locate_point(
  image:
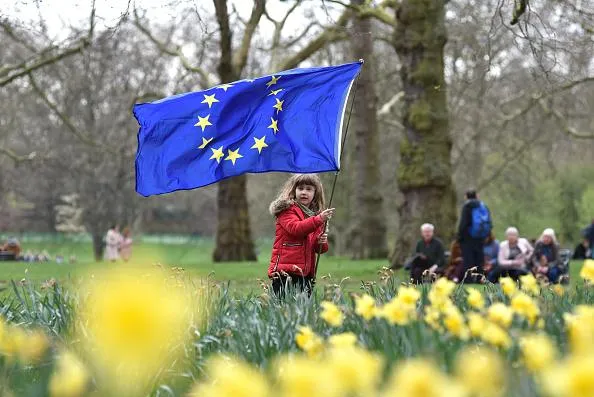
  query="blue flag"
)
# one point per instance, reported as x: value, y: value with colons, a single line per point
x: 289, y: 122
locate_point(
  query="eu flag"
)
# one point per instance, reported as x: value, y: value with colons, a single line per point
x: 290, y: 122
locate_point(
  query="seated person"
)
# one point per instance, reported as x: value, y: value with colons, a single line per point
x: 546, y: 261
x: 514, y: 255
x: 490, y: 252
x: 582, y: 250
x: 455, y: 267
x: 588, y: 233
x: 429, y: 255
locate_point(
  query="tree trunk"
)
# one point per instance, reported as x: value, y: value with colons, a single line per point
x: 234, y: 236
x: 368, y: 236
x: 98, y: 246
x: 425, y: 173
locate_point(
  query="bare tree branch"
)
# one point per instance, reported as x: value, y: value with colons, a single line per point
x: 177, y: 52
x: 16, y: 157
x: 562, y: 121
x: 240, y: 57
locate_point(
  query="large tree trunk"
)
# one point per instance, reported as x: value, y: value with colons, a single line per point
x: 425, y: 172
x: 368, y: 236
x: 234, y: 236
x: 98, y: 245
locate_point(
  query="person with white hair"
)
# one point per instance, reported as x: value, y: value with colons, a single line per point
x: 513, y: 257
x: 429, y: 255
x: 546, y: 260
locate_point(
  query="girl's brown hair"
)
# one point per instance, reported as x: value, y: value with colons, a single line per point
x: 288, y: 190
x: 126, y: 232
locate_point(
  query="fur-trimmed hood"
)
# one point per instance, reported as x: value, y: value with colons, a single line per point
x: 279, y: 205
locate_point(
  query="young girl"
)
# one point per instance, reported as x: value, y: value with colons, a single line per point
x: 126, y: 244
x: 300, y: 233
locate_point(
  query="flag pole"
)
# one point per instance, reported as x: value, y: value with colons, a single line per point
x: 338, y: 172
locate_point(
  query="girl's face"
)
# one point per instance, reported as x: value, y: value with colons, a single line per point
x: 547, y: 240
x: 304, y: 194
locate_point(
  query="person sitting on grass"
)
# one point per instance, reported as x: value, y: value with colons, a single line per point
x: 455, y: 268
x: 545, y: 260
x: 582, y: 250
x: 514, y: 255
x: 429, y: 255
x: 490, y: 252
x: 300, y: 234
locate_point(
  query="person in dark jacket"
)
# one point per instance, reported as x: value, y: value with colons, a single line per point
x: 429, y: 255
x: 546, y: 261
x: 589, y: 235
x: 471, y: 246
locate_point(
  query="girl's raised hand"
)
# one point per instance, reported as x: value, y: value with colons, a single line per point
x: 323, y: 239
x: 327, y: 214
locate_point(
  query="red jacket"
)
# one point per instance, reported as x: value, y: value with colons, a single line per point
x: 296, y: 241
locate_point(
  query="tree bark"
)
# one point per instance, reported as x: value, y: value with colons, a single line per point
x: 368, y: 236
x: 425, y: 172
x: 234, y: 235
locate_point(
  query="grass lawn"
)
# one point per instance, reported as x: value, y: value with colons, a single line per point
x: 195, y: 258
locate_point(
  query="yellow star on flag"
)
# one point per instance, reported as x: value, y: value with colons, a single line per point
x: 217, y: 154
x: 260, y: 144
x: 279, y: 105
x: 274, y: 125
x: 205, y: 142
x: 274, y: 92
x: 225, y: 86
x: 203, y: 122
x: 210, y: 99
x: 233, y: 155
x: 273, y: 80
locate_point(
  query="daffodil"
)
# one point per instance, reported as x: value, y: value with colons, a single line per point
x: 587, y: 272
x: 365, y: 307
x: 481, y: 372
x: 454, y: 323
x: 581, y: 328
x: 346, y: 339
x: 570, y: 378
x: 476, y: 324
x: 309, y: 341
x: 538, y: 352
x: 558, y: 290
x: 508, y: 285
x: 421, y: 378
x: 501, y: 314
x: 408, y: 295
x: 299, y: 376
x: 525, y: 306
x: 70, y: 379
x: 231, y: 377
x: 496, y: 336
x: 397, y: 312
x: 357, y: 371
x: 475, y: 299
x: 440, y: 293
x: 529, y: 284
x: 331, y: 314
x: 134, y: 323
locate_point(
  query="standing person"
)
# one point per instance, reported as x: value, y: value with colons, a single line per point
x: 112, y: 241
x: 299, y: 233
x: 474, y: 227
x: 429, y: 254
x: 589, y: 235
x: 126, y: 246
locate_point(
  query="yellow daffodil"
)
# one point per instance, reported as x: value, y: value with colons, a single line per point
x: 475, y: 299
x: 476, y: 324
x: 365, y: 307
x: 303, y: 377
x: 496, y: 336
x: 525, y: 306
x: 231, y: 377
x: 581, y: 328
x: 481, y: 372
x: 421, y: 378
x: 397, y: 312
x: 538, y: 352
x: 529, y: 284
x: 558, y: 290
x: 440, y: 292
x: 70, y: 379
x: 346, y: 339
x: 432, y: 317
x: 501, y: 314
x: 587, y: 272
x: 508, y: 285
x: 331, y: 314
x: 309, y: 341
x: 454, y: 323
x: 408, y: 295
x: 357, y: 371
x: 570, y: 378
x: 135, y: 322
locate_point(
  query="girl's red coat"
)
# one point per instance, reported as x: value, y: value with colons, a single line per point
x: 296, y: 240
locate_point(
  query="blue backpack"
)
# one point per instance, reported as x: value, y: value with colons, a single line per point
x: 481, y: 224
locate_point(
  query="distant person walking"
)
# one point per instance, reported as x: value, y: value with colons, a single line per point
x: 126, y: 245
x: 474, y: 227
x: 113, y: 239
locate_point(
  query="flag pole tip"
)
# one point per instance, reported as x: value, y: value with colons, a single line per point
x: 361, y: 60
